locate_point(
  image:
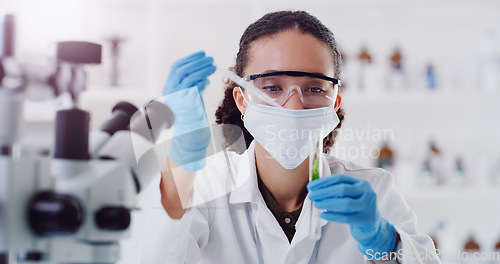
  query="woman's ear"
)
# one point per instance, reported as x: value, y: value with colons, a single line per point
x: 239, y: 99
x: 338, y: 102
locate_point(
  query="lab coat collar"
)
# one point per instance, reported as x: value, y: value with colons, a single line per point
x: 249, y: 190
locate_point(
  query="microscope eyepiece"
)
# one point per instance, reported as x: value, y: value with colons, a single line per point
x: 113, y: 218
x: 79, y: 52
x: 156, y: 117
x: 122, y: 113
x: 50, y: 213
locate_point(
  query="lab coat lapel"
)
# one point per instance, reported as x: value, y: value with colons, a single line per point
x: 303, y: 224
x: 266, y: 222
x: 275, y: 245
x: 248, y: 190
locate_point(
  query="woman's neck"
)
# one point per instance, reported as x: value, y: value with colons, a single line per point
x: 288, y: 187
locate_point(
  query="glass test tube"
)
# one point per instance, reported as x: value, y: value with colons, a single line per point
x: 315, y: 171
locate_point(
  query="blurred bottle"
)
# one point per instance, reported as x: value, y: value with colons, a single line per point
x: 471, y: 246
x: 385, y: 158
x: 489, y: 69
x: 496, y: 259
x: 397, y: 75
x: 431, y: 170
x: 115, y: 42
x: 458, y: 175
x: 430, y: 77
x: 365, y: 69
x: 436, y: 233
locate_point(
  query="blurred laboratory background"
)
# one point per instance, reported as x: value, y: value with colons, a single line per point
x: 421, y: 84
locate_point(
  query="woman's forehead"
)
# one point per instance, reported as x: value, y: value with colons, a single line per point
x: 290, y: 50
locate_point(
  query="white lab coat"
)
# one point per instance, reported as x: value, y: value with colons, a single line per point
x: 216, y: 229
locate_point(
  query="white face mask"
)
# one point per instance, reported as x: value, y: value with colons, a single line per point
x: 288, y: 134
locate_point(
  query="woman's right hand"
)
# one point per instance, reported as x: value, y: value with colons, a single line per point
x: 182, y: 94
x: 192, y: 70
x: 187, y: 79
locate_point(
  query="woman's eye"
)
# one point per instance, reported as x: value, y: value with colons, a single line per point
x: 315, y: 90
x: 272, y: 88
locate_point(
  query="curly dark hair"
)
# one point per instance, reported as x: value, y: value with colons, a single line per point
x: 270, y: 24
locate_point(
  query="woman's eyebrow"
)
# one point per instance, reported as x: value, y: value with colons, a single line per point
x: 268, y: 71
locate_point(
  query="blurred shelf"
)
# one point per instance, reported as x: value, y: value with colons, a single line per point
x: 464, y: 209
x: 453, y: 193
x: 462, y: 123
x: 438, y: 95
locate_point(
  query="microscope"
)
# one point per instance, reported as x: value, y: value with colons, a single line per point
x: 73, y: 206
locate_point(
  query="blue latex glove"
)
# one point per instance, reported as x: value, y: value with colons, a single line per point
x: 182, y: 94
x: 352, y: 201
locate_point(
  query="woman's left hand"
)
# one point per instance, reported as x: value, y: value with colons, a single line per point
x: 352, y: 201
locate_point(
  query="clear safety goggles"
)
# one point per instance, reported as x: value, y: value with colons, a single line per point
x: 314, y: 90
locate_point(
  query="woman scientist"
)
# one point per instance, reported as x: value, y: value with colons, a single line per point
x: 292, y: 57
